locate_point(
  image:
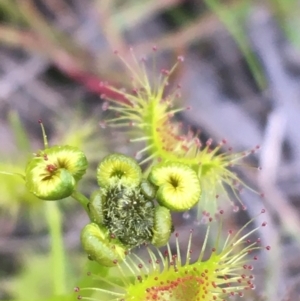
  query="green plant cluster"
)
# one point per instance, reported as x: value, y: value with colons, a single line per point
x: 133, y: 207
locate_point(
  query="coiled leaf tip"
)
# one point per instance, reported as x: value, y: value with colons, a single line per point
x: 119, y: 169
x: 53, y: 173
x: 178, y: 185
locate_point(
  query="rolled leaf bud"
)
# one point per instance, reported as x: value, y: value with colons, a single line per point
x: 148, y: 189
x: 100, y: 246
x: 162, y: 226
x: 119, y: 169
x: 178, y: 185
x: 96, y: 207
x: 53, y: 173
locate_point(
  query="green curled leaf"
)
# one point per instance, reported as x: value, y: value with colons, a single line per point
x: 178, y: 185
x: 55, y: 187
x: 162, y: 226
x: 96, y: 207
x: 100, y: 247
x: 53, y: 173
x: 148, y: 189
x: 70, y: 158
x: 119, y: 169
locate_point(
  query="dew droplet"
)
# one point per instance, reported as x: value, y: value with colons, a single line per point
x: 236, y: 209
x: 102, y: 124
x: 186, y: 215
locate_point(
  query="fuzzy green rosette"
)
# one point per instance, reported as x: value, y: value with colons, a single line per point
x: 130, y: 216
x: 53, y: 173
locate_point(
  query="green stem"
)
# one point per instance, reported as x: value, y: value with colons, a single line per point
x: 12, y: 174
x: 83, y: 200
x: 54, y: 220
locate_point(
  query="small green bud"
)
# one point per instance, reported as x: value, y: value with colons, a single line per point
x: 148, y: 190
x: 55, y: 187
x: 119, y: 169
x: 100, y: 246
x: 96, y: 207
x: 53, y: 173
x: 178, y: 185
x: 162, y: 226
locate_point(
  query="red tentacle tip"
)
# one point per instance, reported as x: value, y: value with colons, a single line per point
x: 180, y: 58
x: 40, y: 121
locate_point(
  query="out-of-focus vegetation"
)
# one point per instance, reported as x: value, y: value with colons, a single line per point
x: 54, y: 54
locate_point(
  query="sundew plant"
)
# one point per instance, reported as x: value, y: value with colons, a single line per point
x: 132, y: 208
x: 148, y: 112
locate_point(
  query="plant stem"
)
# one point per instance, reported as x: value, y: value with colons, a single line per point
x: 12, y: 174
x: 83, y: 200
x: 54, y: 220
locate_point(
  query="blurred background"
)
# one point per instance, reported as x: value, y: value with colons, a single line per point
x: 241, y: 76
